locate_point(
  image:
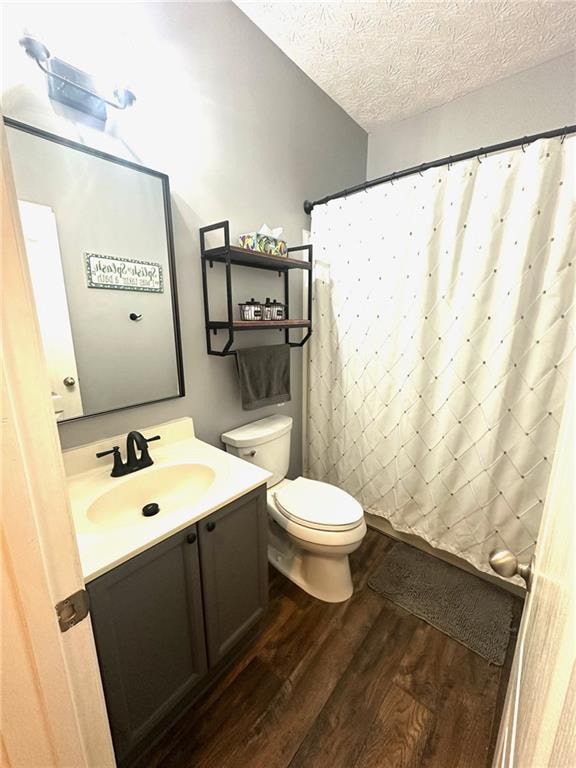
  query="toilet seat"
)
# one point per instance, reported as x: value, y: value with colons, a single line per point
x: 319, y: 506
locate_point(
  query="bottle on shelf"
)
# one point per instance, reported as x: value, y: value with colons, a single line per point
x: 278, y: 310
x: 250, y: 310
x: 267, y: 310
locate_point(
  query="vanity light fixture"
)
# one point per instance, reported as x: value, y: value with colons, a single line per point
x: 72, y: 86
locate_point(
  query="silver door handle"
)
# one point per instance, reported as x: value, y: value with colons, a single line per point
x: 506, y: 564
x: 69, y: 381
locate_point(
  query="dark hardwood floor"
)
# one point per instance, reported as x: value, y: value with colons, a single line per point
x: 361, y: 684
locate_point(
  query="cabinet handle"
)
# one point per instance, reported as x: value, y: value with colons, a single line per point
x: 210, y: 526
x: 191, y: 538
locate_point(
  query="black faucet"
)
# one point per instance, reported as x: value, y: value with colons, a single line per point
x: 134, y: 440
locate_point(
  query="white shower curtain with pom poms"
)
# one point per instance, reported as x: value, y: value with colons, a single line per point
x: 444, y: 319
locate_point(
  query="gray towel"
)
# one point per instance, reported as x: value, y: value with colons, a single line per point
x: 264, y: 374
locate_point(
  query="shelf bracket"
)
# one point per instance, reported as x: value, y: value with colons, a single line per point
x: 302, y: 341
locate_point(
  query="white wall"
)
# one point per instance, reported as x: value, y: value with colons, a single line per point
x: 241, y: 131
x: 539, y: 99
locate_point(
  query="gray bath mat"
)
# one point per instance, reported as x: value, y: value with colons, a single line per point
x: 461, y: 605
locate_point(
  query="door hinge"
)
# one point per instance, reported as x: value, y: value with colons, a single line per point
x: 72, y: 610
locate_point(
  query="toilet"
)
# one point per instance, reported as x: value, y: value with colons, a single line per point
x: 313, y: 526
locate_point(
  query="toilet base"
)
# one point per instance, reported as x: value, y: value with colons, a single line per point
x: 323, y: 575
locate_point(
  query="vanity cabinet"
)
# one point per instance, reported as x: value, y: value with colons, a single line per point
x: 234, y: 562
x: 166, y: 618
x: 149, y: 629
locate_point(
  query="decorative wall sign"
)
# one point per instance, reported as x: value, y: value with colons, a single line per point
x: 120, y: 274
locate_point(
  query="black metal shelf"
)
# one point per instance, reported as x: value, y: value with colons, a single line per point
x: 232, y: 255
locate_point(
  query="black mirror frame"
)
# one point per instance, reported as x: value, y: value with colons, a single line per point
x: 11, y: 123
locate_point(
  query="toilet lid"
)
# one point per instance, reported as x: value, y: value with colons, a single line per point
x: 318, y: 505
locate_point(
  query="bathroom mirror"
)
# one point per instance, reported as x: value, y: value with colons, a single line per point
x: 98, y: 236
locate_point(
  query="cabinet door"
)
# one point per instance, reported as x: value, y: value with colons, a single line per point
x: 234, y: 563
x: 149, y: 630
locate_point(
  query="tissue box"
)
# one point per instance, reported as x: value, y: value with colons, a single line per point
x: 263, y: 244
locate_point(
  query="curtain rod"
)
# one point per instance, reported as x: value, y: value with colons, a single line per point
x: 568, y: 129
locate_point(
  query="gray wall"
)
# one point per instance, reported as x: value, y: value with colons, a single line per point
x: 241, y: 131
x: 539, y: 99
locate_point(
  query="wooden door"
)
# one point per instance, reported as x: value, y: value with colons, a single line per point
x: 53, y: 711
x: 234, y: 560
x: 538, y: 727
x: 149, y: 628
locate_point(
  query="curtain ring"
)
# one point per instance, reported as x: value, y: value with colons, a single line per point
x: 392, y: 178
x: 523, y: 140
x: 478, y: 155
x: 449, y: 162
x: 422, y: 167
x: 564, y: 132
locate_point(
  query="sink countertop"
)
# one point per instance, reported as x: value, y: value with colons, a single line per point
x: 104, y: 547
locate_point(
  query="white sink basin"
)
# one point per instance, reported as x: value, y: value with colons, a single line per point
x: 171, y: 487
x: 189, y: 480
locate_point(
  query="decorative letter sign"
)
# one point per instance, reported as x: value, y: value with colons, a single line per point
x: 123, y: 274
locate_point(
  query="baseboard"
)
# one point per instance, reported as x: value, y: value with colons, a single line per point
x: 382, y: 525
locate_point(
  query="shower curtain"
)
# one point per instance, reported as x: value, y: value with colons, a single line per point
x: 443, y: 326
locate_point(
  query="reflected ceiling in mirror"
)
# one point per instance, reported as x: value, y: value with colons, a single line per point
x: 98, y: 236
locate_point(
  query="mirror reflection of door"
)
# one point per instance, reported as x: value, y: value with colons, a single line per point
x: 44, y: 259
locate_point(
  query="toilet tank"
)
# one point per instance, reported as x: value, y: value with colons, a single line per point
x: 265, y: 442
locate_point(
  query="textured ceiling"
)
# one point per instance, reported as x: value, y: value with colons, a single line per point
x: 383, y: 61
